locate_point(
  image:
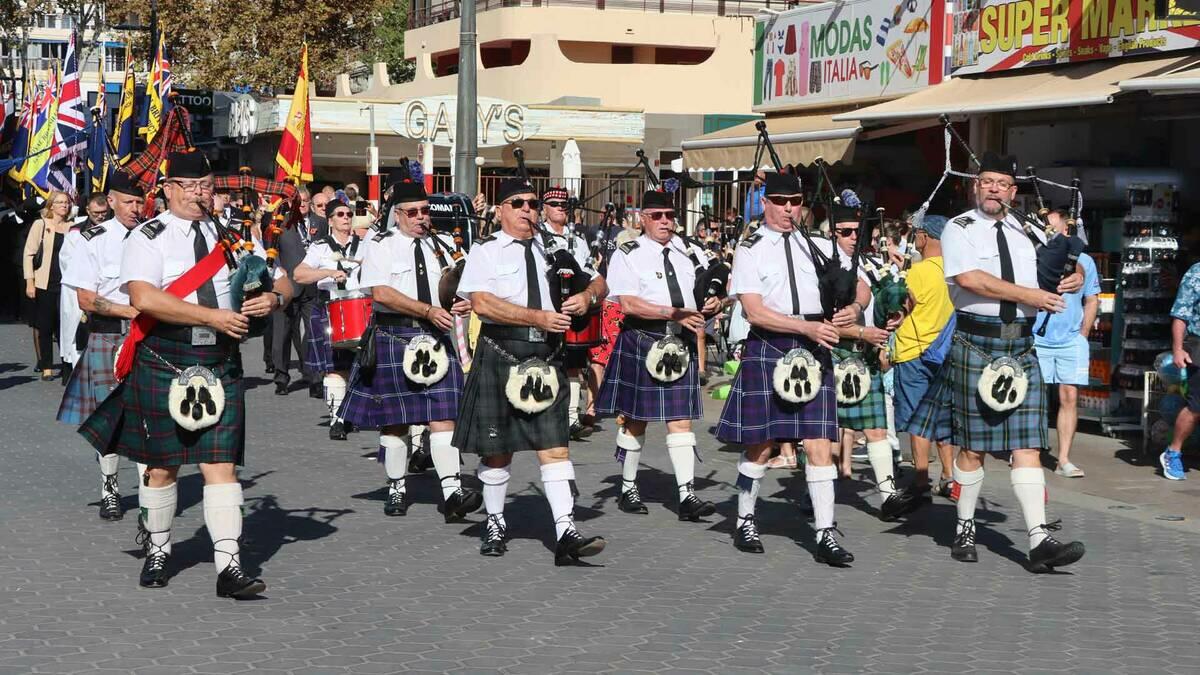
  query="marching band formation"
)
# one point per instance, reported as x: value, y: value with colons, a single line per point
x: 169, y: 301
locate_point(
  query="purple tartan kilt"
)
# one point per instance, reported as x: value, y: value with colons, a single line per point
x: 92, y: 379
x: 388, y: 397
x: 754, y: 413
x: 320, y: 356
x: 628, y: 388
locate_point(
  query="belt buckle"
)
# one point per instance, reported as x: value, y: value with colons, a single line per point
x: 673, y: 328
x: 124, y: 326
x: 1010, y: 331
x: 537, y: 335
x: 202, y: 336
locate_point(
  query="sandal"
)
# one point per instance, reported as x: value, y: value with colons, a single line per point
x: 781, y: 462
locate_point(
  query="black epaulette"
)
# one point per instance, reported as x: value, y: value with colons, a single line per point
x: 153, y: 228
x: 486, y: 239
x: 629, y: 247
x: 382, y: 235
x: 752, y: 240
x: 963, y: 221
x: 91, y: 232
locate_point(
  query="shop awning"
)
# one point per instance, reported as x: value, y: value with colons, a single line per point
x: 1093, y: 83
x: 799, y: 139
x: 1181, y: 81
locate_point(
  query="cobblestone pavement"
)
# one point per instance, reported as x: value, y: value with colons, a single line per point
x: 351, y: 591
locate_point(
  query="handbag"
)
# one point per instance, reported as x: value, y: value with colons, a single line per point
x: 37, y: 257
x: 366, y: 353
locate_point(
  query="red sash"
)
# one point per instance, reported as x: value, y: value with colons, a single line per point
x: 180, y: 288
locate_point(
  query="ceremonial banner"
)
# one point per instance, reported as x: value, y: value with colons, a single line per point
x: 294, y: 159
x: 43, y: 129
x: 97, y: 151
x: 994, y: 35
x: 72, y: 110
x: 158, y: 90
x: 126, y: 115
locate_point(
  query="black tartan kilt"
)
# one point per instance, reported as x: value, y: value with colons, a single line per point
x: 488, y: 424
x: 134, y: 421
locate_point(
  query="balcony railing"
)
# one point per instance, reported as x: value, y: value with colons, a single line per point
x: 429, y: 13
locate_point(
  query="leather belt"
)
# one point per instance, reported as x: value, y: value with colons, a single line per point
x: 519, y: 333
x: 395, y: 320
x: 107, y: 324
x: 973, y: 324
x: 194, y: 335
x: 764, y: 334
x: 652, y: 325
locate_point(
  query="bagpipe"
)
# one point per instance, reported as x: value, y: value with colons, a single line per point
x: 252, y: 188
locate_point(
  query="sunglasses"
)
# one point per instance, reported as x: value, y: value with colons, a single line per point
x: 520, y: 203
x: 412, y: 213
x: 557, y: 205
x: 659, y: 215
x: 340, y: 214
x: 847, y: 232
x: 797, y: 200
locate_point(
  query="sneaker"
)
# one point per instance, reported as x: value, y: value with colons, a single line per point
x: 1172, y: 464
x: 1069, y: 470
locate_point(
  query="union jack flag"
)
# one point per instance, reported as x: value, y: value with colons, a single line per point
x: 72, y: 111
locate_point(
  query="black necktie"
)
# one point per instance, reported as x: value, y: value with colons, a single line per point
x: 1008, y: 308
x: 206, y: 295
x: 672, y: 282
x: 532, y: 286
x: 787, y: 251
x: 422, y: 274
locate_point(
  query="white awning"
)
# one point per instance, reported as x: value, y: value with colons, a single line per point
x: 799, y: 139
x: 1181, y: 81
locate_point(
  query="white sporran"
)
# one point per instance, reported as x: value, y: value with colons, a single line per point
x: 532, y: 386
x: 797, y: 376
x: 196, y: 398
x: 668, y: 359
x: 1003, y: 384
x: 851, y: 380
x: 425, y: 360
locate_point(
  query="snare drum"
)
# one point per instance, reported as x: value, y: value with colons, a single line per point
x: 349, y: 314
x: 590, y: 332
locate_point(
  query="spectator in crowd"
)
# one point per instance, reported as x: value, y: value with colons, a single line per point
x: 43, y: 277
x: 753, y: 208
x: 1185, y: 352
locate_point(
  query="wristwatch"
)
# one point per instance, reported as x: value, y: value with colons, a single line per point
x: 279, y: 296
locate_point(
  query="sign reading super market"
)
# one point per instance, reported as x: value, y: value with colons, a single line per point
x: 841, y: 51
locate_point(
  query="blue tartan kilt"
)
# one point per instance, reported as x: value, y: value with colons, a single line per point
x: 388, y: 398
x: 134, y: 421
x: 92, y: 379
x: 630, y: 390
x: 869, y: 413
x: 974, y: 425
x: 754, y: 413
x: 320, y: 356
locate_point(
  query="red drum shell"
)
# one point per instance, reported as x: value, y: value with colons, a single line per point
x: 591, y: 335
x: 348, y: 319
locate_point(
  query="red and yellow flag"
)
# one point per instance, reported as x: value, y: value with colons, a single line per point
x: 294, y: 159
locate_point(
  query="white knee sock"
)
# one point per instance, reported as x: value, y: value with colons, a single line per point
x: 970, y: 484
x: 335, y: 393
x: 495, y: 485
x: 682, y: 449
x: 879, y: 454
x: 141, y: 471
x: 573, y: 411
x: 632, y: 447
x: 749, y: 475
x: 158, y: 511
x: 445, y: 461
x: 416, y: 435
x: 1029, y: 485
x: 820, y: 492
x: 395, y: 458
x: 556, y: 481
x: 108, y: 467
x: 223, y: 517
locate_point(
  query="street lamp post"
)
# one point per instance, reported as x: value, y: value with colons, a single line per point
x: 466, y: 139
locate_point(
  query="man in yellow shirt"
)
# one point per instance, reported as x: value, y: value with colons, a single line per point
x: 921, y: 344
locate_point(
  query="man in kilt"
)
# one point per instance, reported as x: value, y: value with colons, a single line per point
x: 775, y: 279
x: 200, y: 330
x: 402, y: 268
x: 654, y: 277
x: 991, y: 269
x: 332, y: 263
x: 863, y: 344
x: 95, y: 276
x: 516, y: 395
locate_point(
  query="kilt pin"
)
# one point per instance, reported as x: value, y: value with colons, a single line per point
x: 629, y: 389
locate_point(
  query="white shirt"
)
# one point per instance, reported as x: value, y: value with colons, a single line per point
x: 969, y: 243
x: 322, y: 256
x: 574, y: 243
x: 637, y: 269
x: 159, y: 259
x: 96, y: 262
x: 388, y: 260
x: 760, y: 267
x: 496, y: 264
x: 868, y: 313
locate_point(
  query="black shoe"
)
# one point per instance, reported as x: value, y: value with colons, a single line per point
x: 1052, y: 553
x: 492, y: 542
x: 693, y: 508
x: 420, y: 461
x: 232, y: 582
x: 396, y: 504
x: 337, y: 431
x: 461, y: 502
x: 269, y: 368
x: 963, y: 548
x: 946, y: 489
x: 580, y: 431
x: 316, y: 391
x: 154, y: 569
x: 829, y: 551
x: 66, y: 373
x: 572, y: 546
x: 281, y: 388
x: 899, y: 503
x: 631, y: 501
x: 110, y: 503
x: 745, y: 537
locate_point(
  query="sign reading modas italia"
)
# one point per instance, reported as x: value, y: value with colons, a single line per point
x: 994, y: 35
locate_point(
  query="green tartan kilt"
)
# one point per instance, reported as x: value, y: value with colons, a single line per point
x: 869, y: 413
x: 974, y: 425
x: 134, y: 421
